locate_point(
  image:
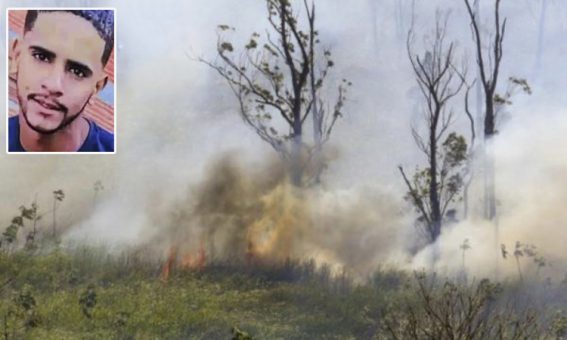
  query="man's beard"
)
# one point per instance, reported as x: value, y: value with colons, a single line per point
x: 64, y: 122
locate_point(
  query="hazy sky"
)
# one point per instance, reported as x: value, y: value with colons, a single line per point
x: 161, y: 88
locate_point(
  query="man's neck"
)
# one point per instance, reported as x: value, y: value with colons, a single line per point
x: 68, y: 139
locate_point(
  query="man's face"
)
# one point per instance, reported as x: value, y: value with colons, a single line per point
x: 59, y: 68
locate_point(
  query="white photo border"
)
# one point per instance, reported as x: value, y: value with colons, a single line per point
x: 7, y: 81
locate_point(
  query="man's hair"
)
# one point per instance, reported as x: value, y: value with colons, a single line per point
x: 102, y: 21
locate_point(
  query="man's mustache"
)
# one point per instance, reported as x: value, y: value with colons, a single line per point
x: 52, y: 103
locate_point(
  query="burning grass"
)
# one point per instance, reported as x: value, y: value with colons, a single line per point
x: 88, y: 291
x: 252, y: 254
x: 255, y: 216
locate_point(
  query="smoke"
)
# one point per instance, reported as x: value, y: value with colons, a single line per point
x: 531, y: 182
x: 253, y: 214
x: 187, y: 170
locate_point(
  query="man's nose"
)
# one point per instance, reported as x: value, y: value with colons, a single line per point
x: 53, y: 81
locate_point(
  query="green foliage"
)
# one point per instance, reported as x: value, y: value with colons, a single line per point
x: 224, y: 27
x: 433, y: 188
x: 525, y: 250
x: 455, y: 150
x: 19, y: 314
x: 226, y: 47
x: 86, y: 292
x: 10, y: 234
x: 252, y: 44
x: 58, y: 195
x: 452, y: 158
x: 522, y: 83
x: 559, y: 325
x: 448, y: 310
x: 278, y: 79
x: 29, y: 213
x: 237, y: 334
x: 25, y: 299
x: 514, y: 85
x: 87, y: 301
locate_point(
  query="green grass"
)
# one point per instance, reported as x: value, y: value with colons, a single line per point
x: 292, y: 300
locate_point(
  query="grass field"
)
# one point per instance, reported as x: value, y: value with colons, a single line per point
x: 87, y: 293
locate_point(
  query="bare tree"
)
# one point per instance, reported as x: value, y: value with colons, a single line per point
x: 277, y: 80
x: 433, y: 188
x: 488, y: 59
x: 468, y: 174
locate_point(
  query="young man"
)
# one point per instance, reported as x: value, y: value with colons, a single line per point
x: 59, y: 65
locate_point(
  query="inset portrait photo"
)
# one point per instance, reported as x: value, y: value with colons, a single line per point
x: 61, y: 87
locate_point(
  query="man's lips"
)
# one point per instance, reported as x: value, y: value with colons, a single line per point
x: 50, y: 106
x: 47, y: 104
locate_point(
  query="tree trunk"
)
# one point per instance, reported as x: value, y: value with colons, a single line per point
x: 490, y: 183
x: 316, y: 113
x: 489, y: 117
x: 317, y: 158
x: 296, y: 161
x: 435, y: 228
x: 489, y: 131
x: 296, y: 166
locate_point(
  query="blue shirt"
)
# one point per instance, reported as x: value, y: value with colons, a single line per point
x: 98, y: 139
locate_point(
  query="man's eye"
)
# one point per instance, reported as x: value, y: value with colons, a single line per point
x: 77, y: 72
x: 41, y: 57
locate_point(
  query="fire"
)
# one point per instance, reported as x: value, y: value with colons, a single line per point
x: 168, y: 265
x: 194, y: 262
x: 242, y: 222
x: 272, y: 234
x: 187, y: 261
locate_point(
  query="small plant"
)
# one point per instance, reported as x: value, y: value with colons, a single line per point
x: 31, y: 214
x: 58, y: 196
x: 26, y: 302
x: 238, y: 334
x: 20, y: 315
x: 10, y: 234
x: 447, y: 310
x: 87, y: 301
x: 559, y: 325
x: 525, y: 250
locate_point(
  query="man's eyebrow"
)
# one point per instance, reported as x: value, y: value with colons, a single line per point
x: 87, y: 70
x: 45, y: 51
x: 70, y: 63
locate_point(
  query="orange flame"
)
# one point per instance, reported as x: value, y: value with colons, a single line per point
x: 195, y: 262
x: 271, y: 236
x: 168, y: 265
x: 188, y: 261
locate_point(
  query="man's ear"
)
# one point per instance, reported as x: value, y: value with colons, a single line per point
x: 101, y: 84
x: 14, y: 53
